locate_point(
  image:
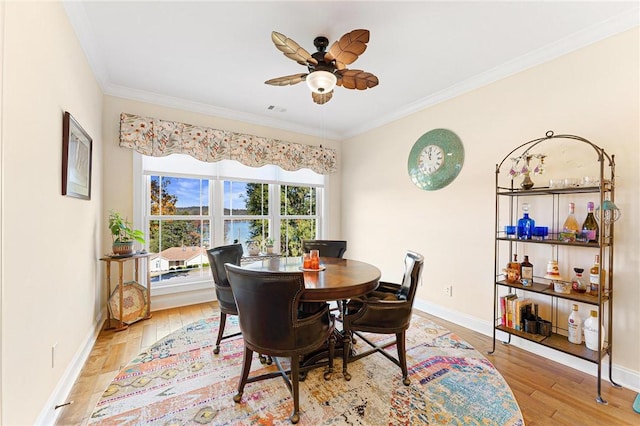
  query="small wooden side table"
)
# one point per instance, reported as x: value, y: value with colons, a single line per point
x: 121, y: 260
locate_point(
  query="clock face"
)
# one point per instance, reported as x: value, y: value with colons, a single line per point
x: 435, y: 159
x: 431, y: 159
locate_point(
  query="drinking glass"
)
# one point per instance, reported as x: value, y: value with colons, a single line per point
x: 315, y: 259
x: 510, y: 230
x: 540, y: 232
x: 571, y: 182
x: 545, y: 232
x: 590, y: 181
x: 556, y: 183
x: 306, y: 261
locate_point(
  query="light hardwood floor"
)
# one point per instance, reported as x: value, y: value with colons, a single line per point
x: 548, y: 393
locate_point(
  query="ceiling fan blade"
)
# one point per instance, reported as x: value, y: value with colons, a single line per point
x: 346, y: 50
x: 292, y: 50
x: 287, y: 80
x: 356, y: 79
x: 321, y: 98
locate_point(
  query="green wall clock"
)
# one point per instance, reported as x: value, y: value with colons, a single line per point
x: 435, y: 159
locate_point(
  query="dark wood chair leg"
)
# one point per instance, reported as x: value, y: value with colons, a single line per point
x: 246, y: 366
x: 223, y: 322
x: 332, y: 346
x: 402, y: 357
x: 295, y: 381
x: 346, y: 349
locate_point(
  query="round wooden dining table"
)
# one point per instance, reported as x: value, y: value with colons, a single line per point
x: 339, y: 279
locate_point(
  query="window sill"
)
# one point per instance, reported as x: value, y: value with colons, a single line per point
x: 181, y: 287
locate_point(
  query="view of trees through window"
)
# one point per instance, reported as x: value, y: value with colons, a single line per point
x: 181, y: 221
x: 298, y: 209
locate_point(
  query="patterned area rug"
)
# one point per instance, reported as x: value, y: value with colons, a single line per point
x: 179, y: 381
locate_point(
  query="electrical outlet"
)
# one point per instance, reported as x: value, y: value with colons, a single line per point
x: 449, y: 290
x: 53, y: 355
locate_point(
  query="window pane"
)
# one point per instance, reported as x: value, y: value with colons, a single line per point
x: 250, y: 200
x: 162, y: 201
x: 297, y: 200
x: 204, y: 197
x: 292, y: 232
x: 241, y: 198
x: 179, y: 196
x: 243, y: 231
x: 180, y: 249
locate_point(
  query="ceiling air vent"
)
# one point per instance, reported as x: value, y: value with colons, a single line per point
x: 276, y: 108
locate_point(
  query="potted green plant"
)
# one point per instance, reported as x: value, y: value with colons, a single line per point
x: 123, y: 234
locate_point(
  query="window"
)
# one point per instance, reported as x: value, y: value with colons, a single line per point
x: 189, y: 207
x: 299, y: 219
x: 246, y: 212
x: 179, y: 228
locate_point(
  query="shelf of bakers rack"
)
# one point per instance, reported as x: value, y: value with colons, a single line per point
x: 547, y: 289
x: 553, y: 240
x: 545, y: 190
x: 558, y: 342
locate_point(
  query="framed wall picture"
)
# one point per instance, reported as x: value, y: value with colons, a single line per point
x: 76, y: 159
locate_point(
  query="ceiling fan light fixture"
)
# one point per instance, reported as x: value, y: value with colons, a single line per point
x: 321, y: 81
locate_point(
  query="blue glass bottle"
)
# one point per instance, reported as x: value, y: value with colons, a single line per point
x: 525, y: 224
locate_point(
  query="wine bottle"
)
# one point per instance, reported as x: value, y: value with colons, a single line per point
x: 526, y: 272
x: 596, y: 276
x: 525, y: 224
x: 570, y: 228
x: 590, y: 226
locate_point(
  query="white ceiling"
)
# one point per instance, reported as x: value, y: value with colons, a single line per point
x: 213, y: 57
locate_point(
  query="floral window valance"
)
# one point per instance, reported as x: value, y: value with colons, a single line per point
x: 159, y: 138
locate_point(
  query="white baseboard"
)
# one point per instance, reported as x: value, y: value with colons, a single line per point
x: 621, y: 375
x: 49, y: 415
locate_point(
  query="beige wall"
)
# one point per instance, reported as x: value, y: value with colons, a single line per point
x: 50, y: 242
x: 593, y: 92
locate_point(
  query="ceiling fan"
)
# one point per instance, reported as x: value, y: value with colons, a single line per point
x: 326, y: 69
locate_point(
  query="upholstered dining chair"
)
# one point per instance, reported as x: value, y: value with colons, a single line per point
x: 272, y: 324
x: 326, y: 248
x: 218, y: 256
x: 386, y: 310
